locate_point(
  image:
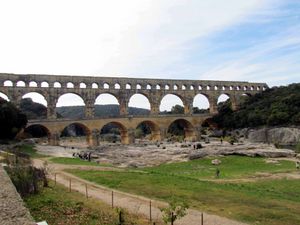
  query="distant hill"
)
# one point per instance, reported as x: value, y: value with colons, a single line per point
x: 276, y: 106
x: 35, y: 110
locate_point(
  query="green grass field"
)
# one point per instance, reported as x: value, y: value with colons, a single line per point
x: 263, y: 202
x: 58, y: 206
x: 31, y: 151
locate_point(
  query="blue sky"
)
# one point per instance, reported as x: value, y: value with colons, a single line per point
x: 254, y: 40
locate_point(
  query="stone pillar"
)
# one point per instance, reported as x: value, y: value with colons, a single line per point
x: 123, y: 106
x: 155, y: 103
x: 163, y: 133
x: 53, y: 139
x: 235, y: 102
x: 213, y: 107
x: 188, y: 106
x: 89, y: 111
x: 190, y: 134
x: 93, y: 138
x: 127, y: 136
x: 155, y: 135
x: 51, y: 106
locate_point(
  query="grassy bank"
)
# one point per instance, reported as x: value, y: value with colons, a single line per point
x: 264, y: 202
x: 58, y: 206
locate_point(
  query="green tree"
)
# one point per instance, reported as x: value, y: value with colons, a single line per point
x: 11, y: 120
x: 175, y: 210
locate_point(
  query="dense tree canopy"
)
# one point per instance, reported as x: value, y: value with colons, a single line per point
x: 274, y: 107
x: 11, y: 120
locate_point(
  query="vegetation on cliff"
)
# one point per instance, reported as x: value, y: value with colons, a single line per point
x: 276, y: 106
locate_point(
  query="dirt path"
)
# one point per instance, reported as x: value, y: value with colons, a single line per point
x: 133, y: 203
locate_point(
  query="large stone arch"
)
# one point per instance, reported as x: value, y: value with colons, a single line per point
x: 38, y: 131
x: 39, y: 94
x: 83, y: 127
x: 154, y: 128
x: 170, y: 94
x: 107, y: 94
x: 4, y: 96
x: 127, y: 136
x: 201, y: 99
x: 143, y: 96
x: 188, y: 128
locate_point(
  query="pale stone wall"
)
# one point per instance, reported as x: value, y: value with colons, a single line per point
x: 12, y: 209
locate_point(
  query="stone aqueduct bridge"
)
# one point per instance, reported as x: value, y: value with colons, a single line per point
x: 89, y: 88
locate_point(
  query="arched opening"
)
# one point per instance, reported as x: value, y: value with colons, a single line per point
x: 192, y: 87
x: 107, y: 105
x: 157, y: 87
x: 70, y: 85
x: 57, y: 84
x: 223, y: 101
x: 95, y: 85
x: 147, y: 131
x: 34, y: 105
x: 238, y: 88
x: 75, y: 135
x: 208, y: 87
x: 106, y: 86
x: 4, y: 96
x: 175, y: 87
x: 171, y: 104
x: 167, y: 87
x: 139, y: 105
x: 128, y: 86
x: 32, y: 84
x: 180, y: 130
x: 20, y: 84
x: 44, y: 84
x: 37, y: 131
x: 200, y: 104
x: 244, y: 97
x: 216, y: 88
x: 115, y: 132
x: 138, y: 86
x: 148, y: 87
x: 8, y: 83
x: 117, y: 86
x: 183, y: 87
x: 200, y: 87
x: 82, y: 85
x: 70, y: 106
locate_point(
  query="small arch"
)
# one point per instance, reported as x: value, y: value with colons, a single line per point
x: 258, y: 88
x: 128, y: 86
x: 82, y: 85
x: 148, y: 87
x: 238, y: 88
x: 8, y: 83
x: 167, y: 87
x: 139, y: 101
x: 216, y: 88
x: 114, y: 132
x: 208, y: 87
x: 138, y: 86
x: 183, y: 87
x: 33, y: 84
x: 251, y: 88
x: 200, y: 87
x: 4, y: 96
x: 117, y: 86
x: 245, y: 88
x: 95, y: 85
x: 230, y: 88
x: 106, y: 86
x: 175, y: 87
x: 192, y: 87
x: 157, y: 87
x: 57, y: 84
x: 264, y: 88
x: 181, y: 129
x: 70, y: 85
x: 200, y: 104
x: 45, y: 84
x: 224, y: 88
x: 169, y: 102
x: 148, y: 130
x: 20, y: 84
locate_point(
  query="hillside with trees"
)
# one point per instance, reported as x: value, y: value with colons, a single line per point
x: 277, y: 106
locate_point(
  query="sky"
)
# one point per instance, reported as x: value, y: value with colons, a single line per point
x: 253, y: 40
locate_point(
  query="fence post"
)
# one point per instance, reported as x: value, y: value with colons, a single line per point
x: 55, y: 179
x: 112, y: 199
x: 70, y: 184
x: 86, y: 191
x: 150, y: 211
x: 201, y: 218
x: 172, y: 218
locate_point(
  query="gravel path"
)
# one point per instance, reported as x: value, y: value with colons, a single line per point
x: 133, y: 203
